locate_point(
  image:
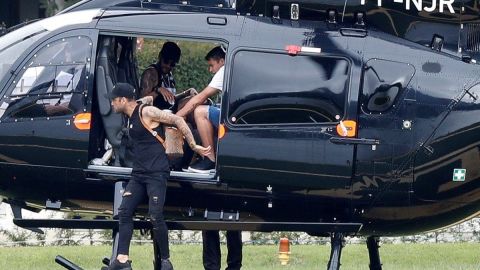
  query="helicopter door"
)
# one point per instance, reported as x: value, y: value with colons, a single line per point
x: 44, y: 119
x: 281, y: 112
x: 383, y: 172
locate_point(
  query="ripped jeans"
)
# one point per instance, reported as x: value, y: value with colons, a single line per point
x: 135, y: 193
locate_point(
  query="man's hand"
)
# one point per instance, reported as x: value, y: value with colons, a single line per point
x: 146, y: 100
x: 192, y: 92
x: 202, y: 150
x: 197, y: 100
x: 167, y: 95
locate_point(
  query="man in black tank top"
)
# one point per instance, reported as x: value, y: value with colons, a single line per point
x: 158, y: 81
x: 150, y: 171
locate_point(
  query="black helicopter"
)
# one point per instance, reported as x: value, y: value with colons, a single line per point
x: 339, y: 118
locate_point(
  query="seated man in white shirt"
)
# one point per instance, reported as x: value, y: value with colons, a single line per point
x: 207, y: 117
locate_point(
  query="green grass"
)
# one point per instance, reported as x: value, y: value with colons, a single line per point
x: 401, y: 256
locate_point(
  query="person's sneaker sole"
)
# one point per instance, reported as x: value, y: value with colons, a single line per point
x: 190, y: 169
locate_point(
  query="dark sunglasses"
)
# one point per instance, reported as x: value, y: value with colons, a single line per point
x: 171, y: 64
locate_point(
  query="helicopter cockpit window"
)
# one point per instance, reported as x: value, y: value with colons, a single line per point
x: 383, y: 82
x: 274, y: 88
x: 52, y: 83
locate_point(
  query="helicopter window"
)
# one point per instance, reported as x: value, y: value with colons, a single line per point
x: 50, y: 79
x: 47, y: 91
x: 281, y: 89
x: 61, y: 52
x: 286, y: 115
x: 383, y: 82
x: 53, y: 82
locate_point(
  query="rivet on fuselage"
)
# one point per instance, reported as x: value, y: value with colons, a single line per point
x: 407, y: 124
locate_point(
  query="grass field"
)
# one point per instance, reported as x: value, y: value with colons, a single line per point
x: 400, y: 256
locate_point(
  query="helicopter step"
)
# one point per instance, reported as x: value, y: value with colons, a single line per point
x: 98, y: 172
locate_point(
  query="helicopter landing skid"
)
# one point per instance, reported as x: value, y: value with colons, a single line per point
x: 338, y: 242
x: 66, y: 263
x: 373, y: 245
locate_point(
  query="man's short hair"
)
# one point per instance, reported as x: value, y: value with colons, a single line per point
x: 170, y: 52
x: 216, y: 54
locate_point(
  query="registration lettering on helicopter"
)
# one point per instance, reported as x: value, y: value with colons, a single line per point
x: 440, y: 5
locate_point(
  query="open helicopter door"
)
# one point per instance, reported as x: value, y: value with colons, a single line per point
x: 44, y: 111
x: 280, y: 115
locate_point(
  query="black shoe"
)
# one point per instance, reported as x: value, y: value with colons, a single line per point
x: 117, y: 265
x: 205, y: 165
x: 166, y: 264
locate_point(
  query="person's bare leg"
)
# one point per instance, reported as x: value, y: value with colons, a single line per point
x: 205, y: 129
x: 122, y: 258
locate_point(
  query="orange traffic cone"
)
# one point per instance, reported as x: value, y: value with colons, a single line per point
x: 284, y: 251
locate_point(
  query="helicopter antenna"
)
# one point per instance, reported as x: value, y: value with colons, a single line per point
x: 344, y: 8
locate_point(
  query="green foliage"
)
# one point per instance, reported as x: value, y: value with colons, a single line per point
x: 70, y: 2
x: 66, y: 237
x: 141, y: 235
x: 51, y: 7
x: 17, y: 235
x: 40, y: 238
x: 192, y: 71
x: 90, y: 235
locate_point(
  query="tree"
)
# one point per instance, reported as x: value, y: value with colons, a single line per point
x: 18, y: 236
x: 52, y: 7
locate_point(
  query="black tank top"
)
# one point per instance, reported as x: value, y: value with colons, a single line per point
x: 149, y: 153
x: 166, y: 81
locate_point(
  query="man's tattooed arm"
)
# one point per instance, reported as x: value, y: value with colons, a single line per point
x: 157, y: 115
x: 149, y: 81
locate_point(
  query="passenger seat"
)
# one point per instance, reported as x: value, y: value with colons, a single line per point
x: 106, y: 78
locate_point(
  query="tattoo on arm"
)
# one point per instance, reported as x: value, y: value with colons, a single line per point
x: 156, y: 115
x: 160, y: 116
x: 184, y: 129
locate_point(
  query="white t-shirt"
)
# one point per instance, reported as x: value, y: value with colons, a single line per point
x: 217, y: 80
